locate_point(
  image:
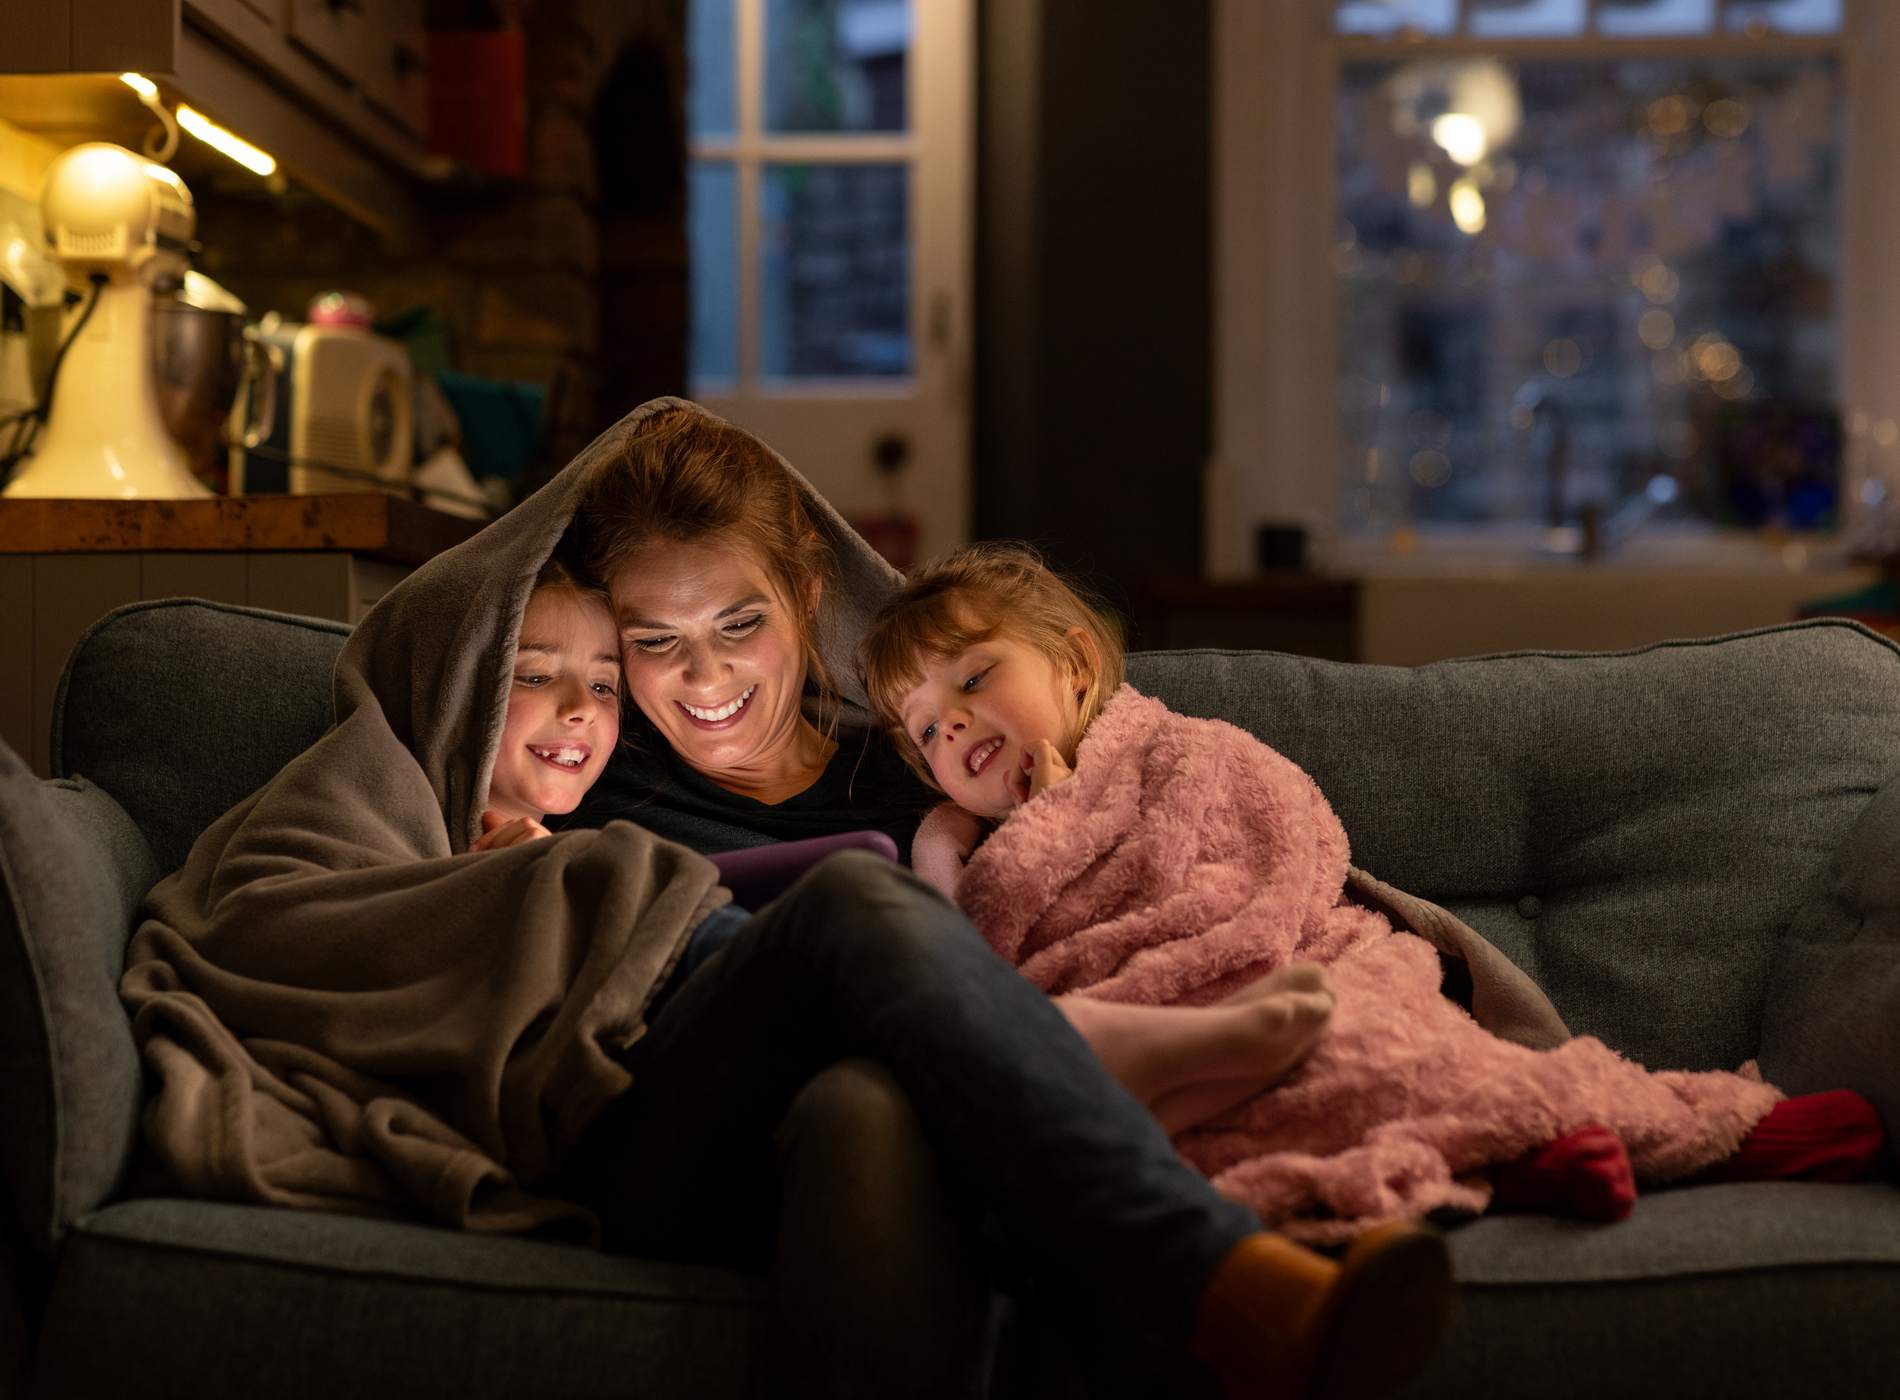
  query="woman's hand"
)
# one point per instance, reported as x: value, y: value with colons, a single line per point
x: 1045, y: 767
x: 498, y: 832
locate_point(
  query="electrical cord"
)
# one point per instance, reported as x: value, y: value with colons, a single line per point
x: 26, y: 425
x: 271, y: 454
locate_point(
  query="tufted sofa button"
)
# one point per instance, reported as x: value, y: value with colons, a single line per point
x: 1530, y: 906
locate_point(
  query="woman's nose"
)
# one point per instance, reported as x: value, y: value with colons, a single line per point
x: 698, y: 666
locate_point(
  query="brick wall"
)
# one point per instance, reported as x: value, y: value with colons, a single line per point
x: 573, y: 277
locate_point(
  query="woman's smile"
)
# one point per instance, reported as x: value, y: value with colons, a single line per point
x: 719, y: 716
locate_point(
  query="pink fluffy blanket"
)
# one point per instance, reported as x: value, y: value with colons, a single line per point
x: 1185, y: 858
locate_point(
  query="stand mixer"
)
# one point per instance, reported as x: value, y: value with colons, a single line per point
x: 118, y: 224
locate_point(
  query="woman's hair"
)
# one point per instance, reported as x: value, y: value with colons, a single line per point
x: 690, y: 478
x: 974, y: 594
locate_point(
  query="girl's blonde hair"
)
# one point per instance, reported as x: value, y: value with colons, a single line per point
x: 690, y: 478
x: 975, y: 594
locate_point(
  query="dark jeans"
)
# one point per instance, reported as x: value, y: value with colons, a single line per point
x: 859, y: 962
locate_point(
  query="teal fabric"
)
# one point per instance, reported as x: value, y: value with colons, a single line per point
x: 74, y: 868
x: 1635, y: 830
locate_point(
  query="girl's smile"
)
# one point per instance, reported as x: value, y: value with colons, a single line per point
x: 977, y: 716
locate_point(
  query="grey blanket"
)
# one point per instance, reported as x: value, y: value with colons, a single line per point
x: 343, y: 1007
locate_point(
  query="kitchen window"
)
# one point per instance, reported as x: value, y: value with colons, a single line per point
x: 1562, y: 272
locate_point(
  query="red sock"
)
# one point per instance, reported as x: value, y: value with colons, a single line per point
x: 1834, y: 1136
x: 1585, y: 1173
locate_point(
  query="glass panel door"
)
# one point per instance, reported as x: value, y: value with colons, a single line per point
x: 830, y: 215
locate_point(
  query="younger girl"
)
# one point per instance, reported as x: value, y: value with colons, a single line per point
x: 1166, y: 859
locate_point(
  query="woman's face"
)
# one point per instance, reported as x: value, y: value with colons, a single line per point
x: 713, y: 656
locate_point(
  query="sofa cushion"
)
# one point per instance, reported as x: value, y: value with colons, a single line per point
x: 1833, y: 1014
x: 182, y: 708
x: 170, y: 1297
x: 1773, y: 1288
x: 73, y: 868
x: 1633, y: 829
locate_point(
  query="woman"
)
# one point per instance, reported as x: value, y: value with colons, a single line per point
x: 736, y: 591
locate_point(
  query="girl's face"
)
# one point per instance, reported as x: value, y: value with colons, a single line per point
x: 714, y: 657
x: 563, y: 706
x: 978, y: 714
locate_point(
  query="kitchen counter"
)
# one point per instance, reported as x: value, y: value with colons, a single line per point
x: 66, y: 563
x: 366, y: 523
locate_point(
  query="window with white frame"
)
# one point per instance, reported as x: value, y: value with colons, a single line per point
x: 1565, y: 262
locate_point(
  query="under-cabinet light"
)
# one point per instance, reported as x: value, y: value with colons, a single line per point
x: 239, y: 150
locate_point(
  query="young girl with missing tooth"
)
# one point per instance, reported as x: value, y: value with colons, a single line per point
x: 1112, y: 849
x: 563, y: 708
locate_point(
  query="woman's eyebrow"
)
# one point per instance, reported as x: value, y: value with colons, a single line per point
x: 547, y: 648
x: 646, y: 623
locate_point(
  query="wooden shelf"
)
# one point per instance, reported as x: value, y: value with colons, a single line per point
x: 364, y: 523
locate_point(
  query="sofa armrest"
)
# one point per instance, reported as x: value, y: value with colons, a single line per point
x: 73, y: 868
x: 1831, y: 1017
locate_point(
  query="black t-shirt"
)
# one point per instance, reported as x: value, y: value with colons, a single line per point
x: 865, y: 787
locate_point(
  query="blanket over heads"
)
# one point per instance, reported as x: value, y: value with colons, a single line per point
x: 342, y: 1006
x: 1184, y: 859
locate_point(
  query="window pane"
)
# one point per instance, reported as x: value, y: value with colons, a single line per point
x: 1623, y: 18
x: 1577, y: 286
x: 711, y: 97
x: 836, y: 65
x: 1391, y: 16
x: 835, y: 290
x: 1520, y: 19
x: 1788, y: 16
x: 712, y: 221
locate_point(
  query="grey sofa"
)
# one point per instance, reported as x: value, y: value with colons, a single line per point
x: 1682, y: 844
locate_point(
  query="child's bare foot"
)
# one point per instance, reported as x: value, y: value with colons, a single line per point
x: 1273, y: 1033
x: 1294, y: 977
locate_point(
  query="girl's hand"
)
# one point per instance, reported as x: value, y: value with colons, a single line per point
x: 1045, y: 768
x: 497, y: 833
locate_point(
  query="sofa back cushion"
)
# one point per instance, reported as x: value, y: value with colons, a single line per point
x: 182, y: 708
x: 1633, y: 829
x: 73, y: 867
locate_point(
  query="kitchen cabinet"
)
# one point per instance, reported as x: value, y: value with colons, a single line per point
x: 65, y: 564
x: 336, y: 90
x: 330, y: 31
x: 88, y: 36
